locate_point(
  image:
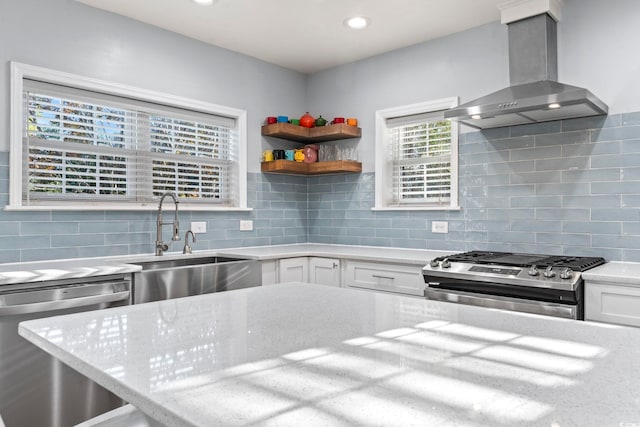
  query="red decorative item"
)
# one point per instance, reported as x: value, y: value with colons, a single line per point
x: 307, y: 120
x: 310, y: 153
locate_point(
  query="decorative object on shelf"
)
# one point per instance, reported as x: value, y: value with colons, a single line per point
x: 288, y: 154
x: 271, y: 120
x: 307, y: 120
x: 346, y: 153
x: 278, y: 154
x: 283, y: 119
x: 267, y: 156
x: 311, y: 153
x: 321, y: 121
x: 295, y: 122
x: 337, y: 120
x: 352, y: 121
x: 299, y: 155
x: 327, y: 153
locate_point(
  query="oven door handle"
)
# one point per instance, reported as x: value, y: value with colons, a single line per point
x: 503, y: 303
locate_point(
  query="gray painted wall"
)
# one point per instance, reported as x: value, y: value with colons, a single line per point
x: 594, y: 161
x: 595, y: 50
x: 68, y: 36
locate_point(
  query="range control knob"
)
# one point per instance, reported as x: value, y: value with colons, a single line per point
x: 446, y: 263
x: 533, y: 271
x: 434, y: 263
x: 567, y: 273
x: 549, y: 272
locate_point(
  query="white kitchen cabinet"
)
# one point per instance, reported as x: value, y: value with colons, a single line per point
x: 269, y: 272
x: 293, y: 270
x: 324, y: 271
x: 612, y: 303
x: 398, y: 278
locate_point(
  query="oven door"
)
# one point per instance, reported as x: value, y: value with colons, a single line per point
x: 549, y: 302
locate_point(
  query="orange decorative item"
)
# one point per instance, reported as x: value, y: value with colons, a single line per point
x: 307, y: 120
x: 298, y: 155
x: 311, y: 153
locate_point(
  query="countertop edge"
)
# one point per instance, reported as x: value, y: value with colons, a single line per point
x: 77, y: 268
x: 614, y: 273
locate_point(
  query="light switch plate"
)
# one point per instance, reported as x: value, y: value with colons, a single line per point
x: 199, y: 227
x: 246, y: 225
x: 439, y: 226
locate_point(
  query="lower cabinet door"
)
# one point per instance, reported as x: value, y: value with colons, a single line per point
x: 269, y: 272
x: 397, y: 278
x: 293, y: 270
x: 324, y: 271
x: 612, y: 303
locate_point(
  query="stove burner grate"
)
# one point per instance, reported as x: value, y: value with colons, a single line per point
x: 525, y: 260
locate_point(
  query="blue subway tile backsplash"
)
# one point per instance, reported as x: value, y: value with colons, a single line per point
x: 565, y: 187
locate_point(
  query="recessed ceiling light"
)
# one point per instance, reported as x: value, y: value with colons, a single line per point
x: 475, y: 116
x: 203, y: 2
x: 357, y: 22
x: 554, y: 105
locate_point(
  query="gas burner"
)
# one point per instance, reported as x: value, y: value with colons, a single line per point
x: 525, y: 260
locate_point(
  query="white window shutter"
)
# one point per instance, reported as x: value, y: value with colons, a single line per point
x: 82, y: 145
x: 420, y: 160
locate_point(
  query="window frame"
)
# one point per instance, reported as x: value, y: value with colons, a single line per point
x: 383, y: 168
x: 20, y: 72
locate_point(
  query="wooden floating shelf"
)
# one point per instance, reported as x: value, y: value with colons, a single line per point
x: 317, y: 134
x: 317, y: 168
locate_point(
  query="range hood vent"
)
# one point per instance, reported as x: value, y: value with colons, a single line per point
x: 534, y: 95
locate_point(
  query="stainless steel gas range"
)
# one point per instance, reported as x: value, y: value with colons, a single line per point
x: 540, y: 284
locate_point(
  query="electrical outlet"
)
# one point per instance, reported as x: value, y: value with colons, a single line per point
x: 246, y: 225
x: 199, y: 227
x: 439, y: 227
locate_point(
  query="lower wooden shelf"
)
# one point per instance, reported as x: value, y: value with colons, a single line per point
x: 317, y: 168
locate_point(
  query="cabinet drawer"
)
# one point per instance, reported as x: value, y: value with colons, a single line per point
x: 399, y: 278
x: 612, y: 303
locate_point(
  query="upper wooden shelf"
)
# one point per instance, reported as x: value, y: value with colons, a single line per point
x: 317, y: 134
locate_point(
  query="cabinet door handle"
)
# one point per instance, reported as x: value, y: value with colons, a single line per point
x: 335, y: 265
x: 382, y: 277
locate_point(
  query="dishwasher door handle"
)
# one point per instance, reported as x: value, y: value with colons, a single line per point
x: 36, y: 307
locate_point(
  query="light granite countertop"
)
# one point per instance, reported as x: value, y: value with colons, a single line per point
x: 12, y: 273
x: 300, y: 354
x: 615, y: 273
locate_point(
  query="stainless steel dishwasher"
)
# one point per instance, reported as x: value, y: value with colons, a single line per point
x: 36, y: 389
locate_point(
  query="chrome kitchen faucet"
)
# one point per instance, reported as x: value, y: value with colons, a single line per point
x: 161, y: 247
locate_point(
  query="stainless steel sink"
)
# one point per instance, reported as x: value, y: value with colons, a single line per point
x: 180, y: 277
x: 187, y: 260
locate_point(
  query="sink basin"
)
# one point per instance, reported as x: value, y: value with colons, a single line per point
x: 186, y: 261
x: 163, y: 279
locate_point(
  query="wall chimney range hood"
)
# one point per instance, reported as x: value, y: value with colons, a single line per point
x: 535, y: 95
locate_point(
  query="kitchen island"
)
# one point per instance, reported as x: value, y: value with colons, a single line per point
x: 300, y: 354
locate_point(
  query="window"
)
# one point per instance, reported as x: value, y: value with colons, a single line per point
x: 417, y: 157
x: 81, y: 143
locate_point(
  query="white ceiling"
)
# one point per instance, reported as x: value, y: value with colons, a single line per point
x: 308, y: 35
